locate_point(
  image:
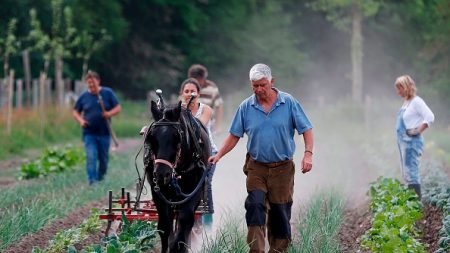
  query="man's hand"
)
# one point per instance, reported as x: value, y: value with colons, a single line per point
x: 412, y: 132
x: 307, y: 162
x: 83, y: 123
x: 213, y: 159
x: 107, y: 114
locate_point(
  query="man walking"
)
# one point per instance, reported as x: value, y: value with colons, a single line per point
x: 93, y: 111
x: 269, y: 118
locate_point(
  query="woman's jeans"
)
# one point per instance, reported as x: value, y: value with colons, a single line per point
x: 411, y: 149
x: 97, y: 148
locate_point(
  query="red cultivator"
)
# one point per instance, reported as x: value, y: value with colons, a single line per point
x: 135, y: 210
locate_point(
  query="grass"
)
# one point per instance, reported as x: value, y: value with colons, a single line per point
x: 230, y: 237
x: 59, y: 127
x: 318, y: 225
x: 39, y: 202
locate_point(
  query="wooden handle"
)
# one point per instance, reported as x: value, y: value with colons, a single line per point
x: 108, y: 121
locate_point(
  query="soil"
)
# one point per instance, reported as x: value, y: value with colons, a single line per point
x: 40, y: 238
x: 430, y: 224
x: 356, y: 221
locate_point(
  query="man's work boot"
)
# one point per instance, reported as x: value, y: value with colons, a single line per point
x: 256, y: 239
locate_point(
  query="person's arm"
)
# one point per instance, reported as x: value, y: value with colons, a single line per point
x: 427, y: 115
x: 307, y: 156
x: 206, y: 115
x: 228, y: 145
x: 114, y: 111
x: 79, y: 118
x: 219, y: 117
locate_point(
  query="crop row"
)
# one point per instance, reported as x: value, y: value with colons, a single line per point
x: 396, y: 210
x: 32, y: 204
x: 139, y: 236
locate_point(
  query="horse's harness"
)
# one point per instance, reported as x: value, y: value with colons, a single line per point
x: 196, y: 158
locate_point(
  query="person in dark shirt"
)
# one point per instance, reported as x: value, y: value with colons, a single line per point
x: 93, y: 119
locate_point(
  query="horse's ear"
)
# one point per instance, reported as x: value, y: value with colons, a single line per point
x: 157, y: 114
x: 177, y: 111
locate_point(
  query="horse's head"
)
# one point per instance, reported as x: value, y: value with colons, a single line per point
x: 165, y: 136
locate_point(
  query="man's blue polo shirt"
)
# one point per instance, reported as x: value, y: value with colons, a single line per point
x: 89, y: 105
x: 271, y: 135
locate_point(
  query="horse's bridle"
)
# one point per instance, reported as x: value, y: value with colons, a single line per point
x: 176, y: 125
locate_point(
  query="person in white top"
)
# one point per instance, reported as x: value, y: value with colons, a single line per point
x: 204, y: 113
x: 413, y: 119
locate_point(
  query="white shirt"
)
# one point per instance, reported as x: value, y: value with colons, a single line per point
x: 416, y: 113
x: 208, y: 126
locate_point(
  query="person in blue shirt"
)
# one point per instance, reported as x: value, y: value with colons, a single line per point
x: 269, y: 118
x: 89, y: 114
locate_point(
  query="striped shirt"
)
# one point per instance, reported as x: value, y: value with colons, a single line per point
x: 210, y: 95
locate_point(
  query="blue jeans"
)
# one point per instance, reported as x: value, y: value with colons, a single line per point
x: 212, y: 168
x: 97, y: 148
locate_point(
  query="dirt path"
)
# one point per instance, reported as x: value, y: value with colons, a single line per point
x: 125, y: 144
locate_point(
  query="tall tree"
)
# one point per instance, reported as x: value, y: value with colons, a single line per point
x: 87, y: 44
x: 9, y: 45
x: 348, y: 15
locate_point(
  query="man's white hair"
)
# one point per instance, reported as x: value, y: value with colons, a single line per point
x: 260, y: 71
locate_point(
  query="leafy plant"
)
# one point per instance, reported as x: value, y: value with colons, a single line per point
x: 65, y: 239
x: 137, y: 236
x: 396, y: 209
x: 53, y: 160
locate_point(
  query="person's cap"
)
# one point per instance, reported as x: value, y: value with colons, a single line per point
x: 260, y: 71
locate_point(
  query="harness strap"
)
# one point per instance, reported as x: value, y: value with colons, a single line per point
x: 163, y: 161
x: 191, y: 132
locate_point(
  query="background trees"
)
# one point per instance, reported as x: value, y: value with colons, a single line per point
x: 150, y: 44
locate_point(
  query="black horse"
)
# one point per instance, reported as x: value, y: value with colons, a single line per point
x: 176, y: 155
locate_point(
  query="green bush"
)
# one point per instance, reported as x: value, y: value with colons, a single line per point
x: 53, y: 160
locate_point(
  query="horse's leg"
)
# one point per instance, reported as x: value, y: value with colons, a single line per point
x: 165, y: 223
x: 185, y: 222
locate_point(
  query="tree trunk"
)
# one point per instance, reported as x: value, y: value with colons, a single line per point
x: 84, y: 70
x: 5, y: 66
x: 357, y: 52
x: 42, y: 78
x: 59, y: 82
x: 27, y: 76
x: 19, y: 93
x: 10, y: 83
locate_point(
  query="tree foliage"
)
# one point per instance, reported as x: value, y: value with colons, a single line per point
x: 142, y: 45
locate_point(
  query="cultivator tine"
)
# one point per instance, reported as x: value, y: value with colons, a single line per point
x: 122, y: 204
x: 110, y: 213
x: 128, y: 200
